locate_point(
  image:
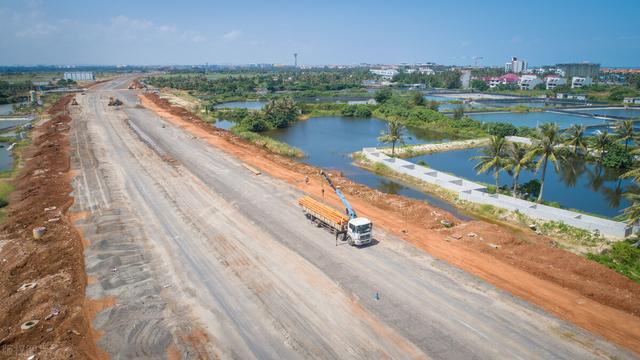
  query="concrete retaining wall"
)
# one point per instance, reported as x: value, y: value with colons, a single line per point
x: 477, y: 193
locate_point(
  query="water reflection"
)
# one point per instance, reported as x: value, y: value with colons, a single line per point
x: 577, y: 184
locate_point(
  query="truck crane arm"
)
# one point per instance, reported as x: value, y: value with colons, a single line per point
x: 352, y: 213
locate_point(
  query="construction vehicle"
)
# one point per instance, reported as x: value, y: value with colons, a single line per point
x: 351, y: 228
x: 114, y: 101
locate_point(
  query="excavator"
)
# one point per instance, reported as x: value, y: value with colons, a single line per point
x: 354, y: 230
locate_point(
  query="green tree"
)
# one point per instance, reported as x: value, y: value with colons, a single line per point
x: 494, y: 158
x: 633, y: 211
x: 545, y: 148
x: 281, y: 112
x: 634, y: 173
x: 617, y: 157
x: 625, y: 132
x: 458, y: 113
x: 501, y: 129
x: 434, y: 105
x: 479, y: 85
x: 418, y: 98
x: 575, y: 137
x: 255, y: 122
x: 601, y: 143
x: 516, y: 161
x: 394, y: 135
x: 381, y: 96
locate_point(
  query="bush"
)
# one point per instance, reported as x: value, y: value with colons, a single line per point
x: 531, y: 188
x: 281, y: 112
x: 255, y: 123
x: 480, y: 85
x: 458, y: 113
x: 382, y: 95
x: 623, y: 258
x: 359, y: 111
x: 501, y: 129
x: 616, y: 157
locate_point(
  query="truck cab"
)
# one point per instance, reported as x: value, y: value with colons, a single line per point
x: 359, y: 231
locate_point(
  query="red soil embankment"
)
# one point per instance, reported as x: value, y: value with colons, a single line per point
x: 54, y: 262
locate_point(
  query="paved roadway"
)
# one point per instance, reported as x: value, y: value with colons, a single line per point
x: 206, y: 259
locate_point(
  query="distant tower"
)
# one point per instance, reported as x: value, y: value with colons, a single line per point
x: 295, y: 59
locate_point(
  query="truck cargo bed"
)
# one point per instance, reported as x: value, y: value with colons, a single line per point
x: 324, y: 213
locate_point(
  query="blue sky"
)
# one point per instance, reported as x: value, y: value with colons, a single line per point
x: 322, y: 32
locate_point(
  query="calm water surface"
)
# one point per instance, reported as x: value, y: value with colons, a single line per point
x: 224, y: 124
x: 329, y: 142
x: 251, y: 105
x: 534, y: 119
x: 6, y: 159
x: 630, y: 113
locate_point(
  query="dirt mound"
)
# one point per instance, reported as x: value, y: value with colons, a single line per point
x: 135, y: 84
x: 54, y: 263
x: 530, y: 266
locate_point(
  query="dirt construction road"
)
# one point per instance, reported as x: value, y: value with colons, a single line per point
x: 200, y: 258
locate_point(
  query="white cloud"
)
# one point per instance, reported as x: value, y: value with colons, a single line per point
x: 39, y: 30
x: 232, y: 35
x: 198, y: 39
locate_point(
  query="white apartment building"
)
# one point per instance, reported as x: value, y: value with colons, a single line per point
x: 578, y: 82
x: 385, y: 73
x: 515, y: 66
x: 529, y: 82
x: 553, y: 82
x: 426, y: 70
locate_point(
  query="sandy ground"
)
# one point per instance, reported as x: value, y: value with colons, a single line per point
x: 565, y: 284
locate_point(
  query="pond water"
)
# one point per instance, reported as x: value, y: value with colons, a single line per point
x: 533, y: 119
x: 583, y: 186
x: 6, y: 159
x: 251, y: 105
x: 439, y: 98
x: 5, y: 124
x: 224, y: 124
x: 630, y: 113
x: 328, y: 143
x: 507, y: 104
x: 6, y: 109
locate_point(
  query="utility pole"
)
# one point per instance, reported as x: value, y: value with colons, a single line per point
x: 295, y: 59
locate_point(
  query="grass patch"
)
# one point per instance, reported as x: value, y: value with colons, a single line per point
x: 622, y: 257
x: 268, y: 143
x: 571, y: 235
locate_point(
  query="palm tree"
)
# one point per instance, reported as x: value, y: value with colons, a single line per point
x: 601, y: 142
x: 625, y: 132
x: 393, y: 135
x: 546, y: 148
x: 576, y: 138
x: 516, y: 161
x: 494, y: 157
x: 635, y: 170
x: 633, y: 211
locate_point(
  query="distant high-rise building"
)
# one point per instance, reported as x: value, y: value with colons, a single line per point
x: 515, y: 66
x: 585, y: 70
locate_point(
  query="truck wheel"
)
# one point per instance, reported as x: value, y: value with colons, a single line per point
x: 349, y: 240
